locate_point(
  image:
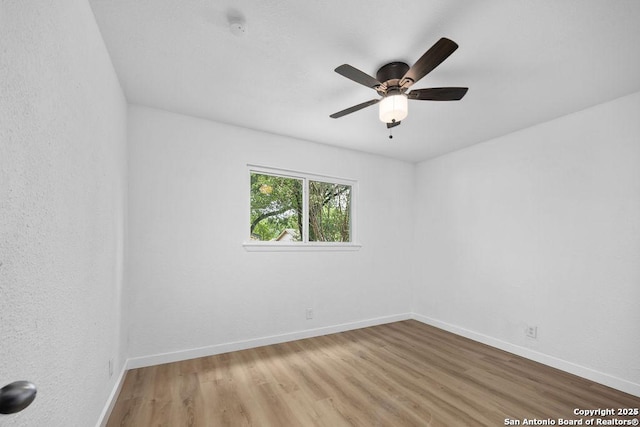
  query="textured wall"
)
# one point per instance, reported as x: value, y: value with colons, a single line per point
x: 540, y: 227
x: 62, y: 199
x: 192, y: 282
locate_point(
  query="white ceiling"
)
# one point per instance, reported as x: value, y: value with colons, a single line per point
x: 525, y: 62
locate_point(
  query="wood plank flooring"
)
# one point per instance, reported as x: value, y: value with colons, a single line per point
x: 399, y: 374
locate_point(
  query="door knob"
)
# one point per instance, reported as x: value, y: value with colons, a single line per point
x: 16, y: 396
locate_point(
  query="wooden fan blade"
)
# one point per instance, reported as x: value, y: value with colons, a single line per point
x: 430, y: 60
x: 354, y: 108
x: 438, y: 94
x: 357, y: 76
x: 393, y: 124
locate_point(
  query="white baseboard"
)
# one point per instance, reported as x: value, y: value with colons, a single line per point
x: 157, y: 359
x: 104, y: 416
x: 554, y: 362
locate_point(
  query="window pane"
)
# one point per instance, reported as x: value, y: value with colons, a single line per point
x: 329, y: 212
x: 276, y: 208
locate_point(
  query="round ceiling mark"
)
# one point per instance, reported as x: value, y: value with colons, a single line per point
x: 238, y: 28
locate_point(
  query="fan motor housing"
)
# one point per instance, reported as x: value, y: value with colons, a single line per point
x: 390, y: 75
x: 392, y: 71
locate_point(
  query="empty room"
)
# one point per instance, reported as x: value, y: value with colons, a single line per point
x: 322, y: 213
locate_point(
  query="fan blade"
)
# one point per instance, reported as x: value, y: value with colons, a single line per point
x: 393, y: 124
x: 354, y: 108
x: 430, y: 60
x: 438, y: 94
x: 357, y: 76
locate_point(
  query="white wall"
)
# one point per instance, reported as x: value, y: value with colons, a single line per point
x: 540, y: 227
x: 194, y: 285
x: 62, y: 203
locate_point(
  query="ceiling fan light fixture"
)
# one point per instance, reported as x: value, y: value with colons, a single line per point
x: 394, y: 79
x: 393, y: 108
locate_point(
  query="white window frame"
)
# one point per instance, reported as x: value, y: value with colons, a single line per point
x: 305, y: 244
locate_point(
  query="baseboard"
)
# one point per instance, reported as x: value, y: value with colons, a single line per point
x: 554, y: 362
x: 158, y: 359
x: 106, y: 412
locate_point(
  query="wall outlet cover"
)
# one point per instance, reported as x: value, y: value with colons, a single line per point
x: 531, y: 331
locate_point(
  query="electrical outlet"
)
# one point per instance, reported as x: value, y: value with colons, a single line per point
x: 531, y: 331
x: 309, y: 313
x: 110, y: 368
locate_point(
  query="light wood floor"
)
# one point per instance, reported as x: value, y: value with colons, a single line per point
x: 400, y: 374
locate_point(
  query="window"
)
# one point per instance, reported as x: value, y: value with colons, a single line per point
x: 329, y: 212
x: 276, y: 208
x: 293, y: 209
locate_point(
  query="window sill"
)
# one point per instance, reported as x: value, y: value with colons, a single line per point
x: 300, y: 247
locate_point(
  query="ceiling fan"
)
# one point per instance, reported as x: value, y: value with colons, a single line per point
x: 393, y: 81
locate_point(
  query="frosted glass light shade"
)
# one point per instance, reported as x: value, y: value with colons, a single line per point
x: 393, y: 107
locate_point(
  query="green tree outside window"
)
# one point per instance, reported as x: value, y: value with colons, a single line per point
x: 278, y: 208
